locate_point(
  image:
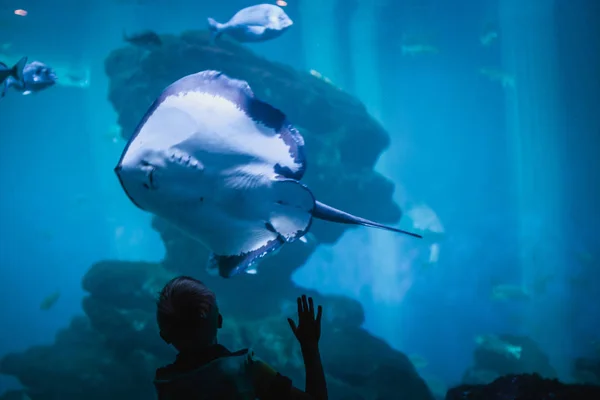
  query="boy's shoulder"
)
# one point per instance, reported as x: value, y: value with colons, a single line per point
x: 185, y: 363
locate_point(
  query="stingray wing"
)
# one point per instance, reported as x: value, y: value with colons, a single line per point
x: 235, y: 126
x: 282, y: 213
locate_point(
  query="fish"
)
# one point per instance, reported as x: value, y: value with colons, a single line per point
x: 418, y: 361
x: 489, y: 34
x: 74, y: 78
x: 225, y: 168
x: 413, y: 45
x: 49, y: 301
x: 494, y: 344
x: 37, y: 76
x: 510, y: 292
x: 253, y: 24
x: 145, y: 39
x: 506, y: 79
x: 414, y: 49
x: 318, y: 75
x: 16, y: 73
x: 426, y: 222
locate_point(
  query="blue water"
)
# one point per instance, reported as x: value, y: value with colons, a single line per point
x: 62, y: 209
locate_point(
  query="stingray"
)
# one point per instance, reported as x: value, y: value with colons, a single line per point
x: 225, y: 168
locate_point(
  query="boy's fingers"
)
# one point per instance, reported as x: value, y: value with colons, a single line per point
x: 292, y: 325
x: 319, y: 314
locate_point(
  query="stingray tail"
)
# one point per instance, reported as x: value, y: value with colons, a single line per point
x: 215, y: 29
x: 328, y: 213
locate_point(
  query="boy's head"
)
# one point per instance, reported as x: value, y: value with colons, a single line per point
x: 187, y: 314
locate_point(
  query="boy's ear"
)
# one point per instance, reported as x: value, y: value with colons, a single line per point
x: 220, y: 321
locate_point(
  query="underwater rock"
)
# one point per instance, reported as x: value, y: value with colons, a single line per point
x: 127, y: 284
x: 586, y: 370
x: 524, y: 386
x: 80, y: 365
x: 115, y: 349
x: 489, y: 365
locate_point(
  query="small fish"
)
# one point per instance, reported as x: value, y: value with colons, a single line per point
x: 16, y: 73
x: 47, y: 235
x: 317, y: 74
x: 541, y: 282
x: 225, y: 168
x: 418, y: 361
x: 510, y: 292
x: 415, y: 49
x: 49, y: 301
x: 114, y: 134
x: 146, y: 39
x: 253, y: 24
x: 37, y: 76
x: 498, y: 75
x: 584, y: 257
x: 495, y: 344
x: 489, y: 35
x: 74, y: 78
x: 426, y: 221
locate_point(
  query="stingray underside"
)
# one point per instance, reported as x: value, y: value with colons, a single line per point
x: 251, y: 160
x: 242, y: 227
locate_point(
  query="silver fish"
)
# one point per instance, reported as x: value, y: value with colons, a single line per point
x: 253, y: 24
x: 37, y: 76
x: 224, y: 167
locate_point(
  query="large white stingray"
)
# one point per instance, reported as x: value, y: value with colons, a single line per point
x: 224, y: 167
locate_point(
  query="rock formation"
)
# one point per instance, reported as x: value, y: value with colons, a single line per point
x: 113, y: 351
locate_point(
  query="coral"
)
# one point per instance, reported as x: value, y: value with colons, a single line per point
x: 587, y: 370
x: 524, y: 387
x: 489, y: 365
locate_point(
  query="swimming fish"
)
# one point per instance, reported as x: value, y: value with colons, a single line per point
x: 413, y: 45
x: 418, y: 361
x: 498, y: 75
x: 145, y: 39
x: 16, y: 72
x: 415, y: 49
x: 253, y: 24
x: 489, y: 34
x: 49, y: 301
x: 494, y: 344
x: 224, y: 167
x: 37, y: 76
x: 426, y: 222
x: 510, y: 292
